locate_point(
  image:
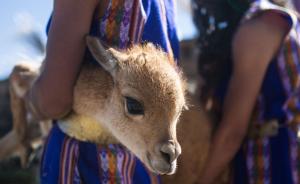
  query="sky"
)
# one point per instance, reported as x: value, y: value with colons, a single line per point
x: 19, y: 16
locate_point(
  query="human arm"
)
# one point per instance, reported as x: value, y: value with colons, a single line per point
x: 254, y: 45
x: 52, y: 93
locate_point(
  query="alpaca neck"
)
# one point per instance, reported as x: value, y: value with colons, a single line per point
x: 85, y: 128
x: 92, y: 89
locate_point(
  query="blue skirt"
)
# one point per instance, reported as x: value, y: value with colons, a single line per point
x: 269, y: 160
x: 67, y: 160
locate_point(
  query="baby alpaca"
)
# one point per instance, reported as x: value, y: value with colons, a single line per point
x: 135, y: 98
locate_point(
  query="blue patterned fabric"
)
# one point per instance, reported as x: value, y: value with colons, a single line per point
x: 85, y: 167
x: 66, y: 160
x: 273, y: 159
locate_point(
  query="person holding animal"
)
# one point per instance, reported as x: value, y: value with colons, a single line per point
x: 250, y: 63
x: 118, y: 24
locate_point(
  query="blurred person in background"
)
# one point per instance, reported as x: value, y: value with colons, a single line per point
x: 118, y: 23
x: 250, y: 64
x: 297, y: 5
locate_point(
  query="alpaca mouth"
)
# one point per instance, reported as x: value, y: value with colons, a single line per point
x: 159, y: 166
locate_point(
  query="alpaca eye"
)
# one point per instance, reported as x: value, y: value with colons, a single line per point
x: 134, y: 107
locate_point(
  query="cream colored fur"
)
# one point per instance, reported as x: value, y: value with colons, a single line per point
x: 144, y: 73
x: 85, y: 128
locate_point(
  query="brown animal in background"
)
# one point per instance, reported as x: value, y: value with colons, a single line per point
x: 195, y: 127
x: 194, y: 135
x: 26, y: 134
x: 135, y: 99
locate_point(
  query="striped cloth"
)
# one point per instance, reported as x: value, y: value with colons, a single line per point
x: 75, y: 162
x: 122, y: 23
x: 66, y: 160
x: 127, y: 22
x: 275, y: 160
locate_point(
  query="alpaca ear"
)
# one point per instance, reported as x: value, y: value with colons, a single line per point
x: 104, y: 57
x: 120, y: 56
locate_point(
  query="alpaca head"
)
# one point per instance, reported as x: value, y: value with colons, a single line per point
x: 145, y: 102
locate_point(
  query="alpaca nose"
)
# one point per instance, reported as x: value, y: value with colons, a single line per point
x: 170, y: 151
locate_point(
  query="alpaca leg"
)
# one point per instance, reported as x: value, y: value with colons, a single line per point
x: 45, y: 127
x: 9, y: 144
x: 18, y: 110
x: 16, y: 139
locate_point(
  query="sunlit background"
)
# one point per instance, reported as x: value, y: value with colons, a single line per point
x: 18, y: 17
